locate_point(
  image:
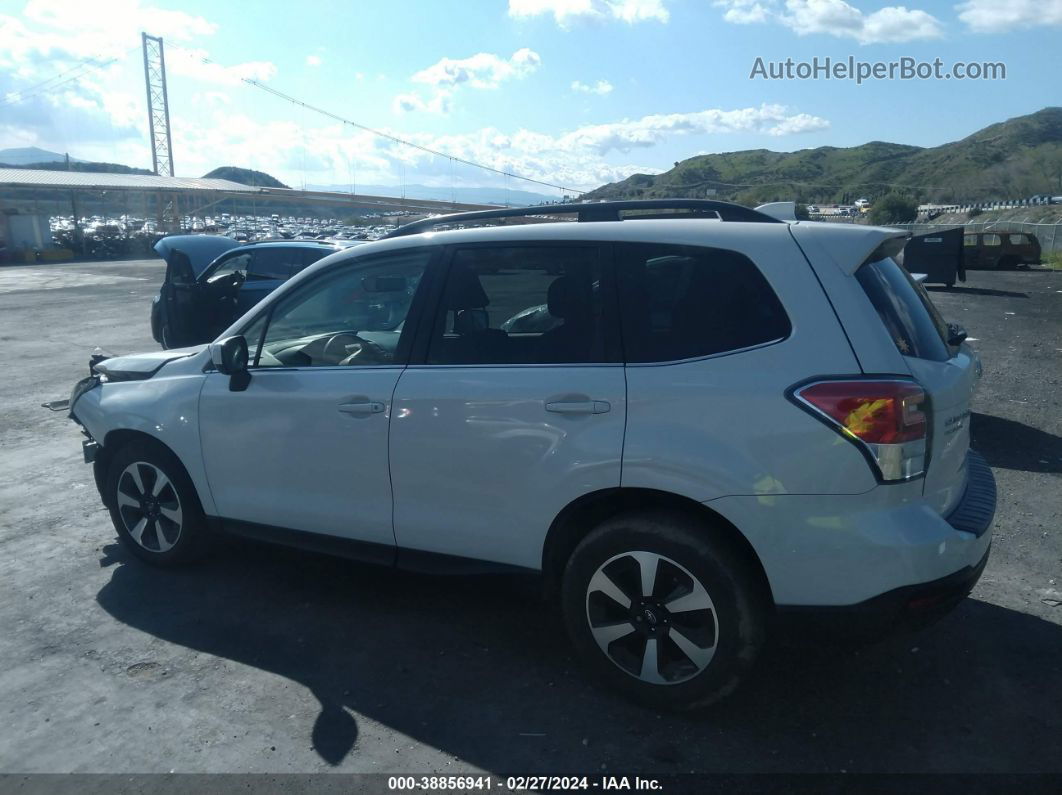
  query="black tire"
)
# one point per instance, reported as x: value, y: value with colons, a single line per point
x: 739, y: 609
x: 162, y: 540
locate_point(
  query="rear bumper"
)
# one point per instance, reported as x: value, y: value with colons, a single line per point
x: 845, y: 550
x: 977, y: 508
x: 909, y: 607
x: 923, y: 603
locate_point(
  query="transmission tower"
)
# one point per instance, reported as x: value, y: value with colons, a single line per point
x: 158, y: 106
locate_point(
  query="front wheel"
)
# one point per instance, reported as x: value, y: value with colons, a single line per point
x: 154, y: 506
x: 663, y: 610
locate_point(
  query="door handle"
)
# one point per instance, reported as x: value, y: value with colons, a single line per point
x: 362, y: 409
x: 578, y: 406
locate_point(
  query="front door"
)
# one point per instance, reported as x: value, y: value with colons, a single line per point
x: 182, y: 302
x: 304, y: 447
x: 514, y: 404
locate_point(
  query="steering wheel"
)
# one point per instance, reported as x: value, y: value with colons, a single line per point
x: 368, y: 352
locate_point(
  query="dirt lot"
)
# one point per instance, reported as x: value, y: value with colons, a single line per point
x: 265, y: 660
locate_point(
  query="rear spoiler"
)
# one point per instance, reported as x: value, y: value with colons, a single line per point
x: 783, y: 211
x: 850, y: 245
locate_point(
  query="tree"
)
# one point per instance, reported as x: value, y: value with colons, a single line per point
x: 893, y: 208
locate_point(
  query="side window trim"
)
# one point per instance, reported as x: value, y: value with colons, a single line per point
x: 434, y: 296
x: 402, y: 352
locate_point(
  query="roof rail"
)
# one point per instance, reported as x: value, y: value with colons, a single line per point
x: 596, y: 211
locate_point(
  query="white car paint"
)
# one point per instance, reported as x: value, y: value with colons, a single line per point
x: 471, y: 464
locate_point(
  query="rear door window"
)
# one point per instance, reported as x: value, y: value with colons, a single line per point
x: 525, y: 304
x: 310, y: 256
x: 905, y: 308
x: 274, y: 263
x: 682, y: 302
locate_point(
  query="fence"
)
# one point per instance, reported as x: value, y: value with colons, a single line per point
x: 1049, y: 233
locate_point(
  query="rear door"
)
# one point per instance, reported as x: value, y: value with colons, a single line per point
x: 498, y: 425
x: 946, y: 373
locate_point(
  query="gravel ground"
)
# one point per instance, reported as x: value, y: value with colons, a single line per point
x: 268, y: 660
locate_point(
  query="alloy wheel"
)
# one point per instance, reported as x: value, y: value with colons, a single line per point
x: 652, y: 618
x: 149, y: 506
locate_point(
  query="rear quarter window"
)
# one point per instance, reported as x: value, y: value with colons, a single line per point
x: 684, y: 302
x: 906, y: 310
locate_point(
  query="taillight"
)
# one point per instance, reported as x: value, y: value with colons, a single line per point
x: 886, y: 419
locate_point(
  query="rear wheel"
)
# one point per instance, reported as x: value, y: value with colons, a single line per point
x: 154, y: 506
x: 663, y: 611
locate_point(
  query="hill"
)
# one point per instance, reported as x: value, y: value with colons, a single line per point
x: 442, y: 193
x: 78, y: 165
x: 245, y: 176
x: 24, y: 156
x: 1016, y: 158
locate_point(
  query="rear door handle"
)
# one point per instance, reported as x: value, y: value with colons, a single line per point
x: 362, y: 409
x: 578, y: 406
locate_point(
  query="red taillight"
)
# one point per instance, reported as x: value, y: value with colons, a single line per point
x: 885, y: 419
x: 876, y: 412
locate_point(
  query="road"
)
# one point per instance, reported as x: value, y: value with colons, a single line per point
x: 268, y: 660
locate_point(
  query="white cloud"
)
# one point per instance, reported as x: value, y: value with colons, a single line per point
x: 481, y: 71
x: 994, y: 16
x: 601, y: 87
x: 744, y: 12
x: 566, y: 12
x: 583, y: 157
x: 774, y: 120
x: 313, y: 60
x: 837, y: 18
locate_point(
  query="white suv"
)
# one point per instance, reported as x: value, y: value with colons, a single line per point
x: 687, y: 422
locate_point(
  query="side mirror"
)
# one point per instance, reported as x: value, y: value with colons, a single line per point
x: 956, y: 335
x: 230, y: 357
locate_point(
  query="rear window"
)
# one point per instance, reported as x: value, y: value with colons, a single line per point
x: 682, y: 302
x: 906, y: 310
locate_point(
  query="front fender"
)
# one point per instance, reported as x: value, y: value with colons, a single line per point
x: 166, y: 409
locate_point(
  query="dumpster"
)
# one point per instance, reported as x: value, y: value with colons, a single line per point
x: 937, y: 254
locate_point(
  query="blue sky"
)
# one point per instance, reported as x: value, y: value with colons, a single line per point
x: 573, y: 92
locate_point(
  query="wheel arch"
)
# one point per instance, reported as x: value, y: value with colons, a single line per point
x: 113, y: 442
x: 582, y: 515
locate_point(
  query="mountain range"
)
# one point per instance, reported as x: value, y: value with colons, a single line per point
x: 1016, y: 158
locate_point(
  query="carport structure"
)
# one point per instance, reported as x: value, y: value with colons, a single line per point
x: 168, y: 199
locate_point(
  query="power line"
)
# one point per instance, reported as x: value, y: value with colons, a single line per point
x: 87, y: 65
x: 393, y: 138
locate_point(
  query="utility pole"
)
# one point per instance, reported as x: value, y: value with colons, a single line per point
x: 158, y: 105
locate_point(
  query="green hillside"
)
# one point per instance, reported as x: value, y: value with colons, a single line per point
x: 80, y: 165
x: 1013, y: 159
x: 245, y: 176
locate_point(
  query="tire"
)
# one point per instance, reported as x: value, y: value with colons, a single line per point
x: 723, y: 635
x: 162, y: 525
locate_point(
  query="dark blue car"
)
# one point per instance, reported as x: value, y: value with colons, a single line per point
x: 211, y: 280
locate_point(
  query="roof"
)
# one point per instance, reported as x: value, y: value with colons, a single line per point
x: 28, y: 177
x: 293, y: 243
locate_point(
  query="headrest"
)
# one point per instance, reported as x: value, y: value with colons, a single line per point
x: 567, y: 298
x: 463, y: 289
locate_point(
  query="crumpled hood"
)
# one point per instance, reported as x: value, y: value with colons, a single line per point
x: 139, y: 366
